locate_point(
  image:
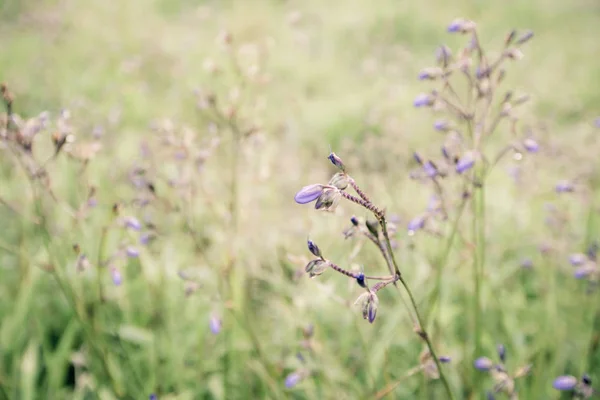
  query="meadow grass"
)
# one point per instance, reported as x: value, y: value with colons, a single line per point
x: 217, y: 303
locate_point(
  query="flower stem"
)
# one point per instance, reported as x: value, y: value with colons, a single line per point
x: 423, y: 334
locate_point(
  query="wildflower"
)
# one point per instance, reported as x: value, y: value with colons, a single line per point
x: 565, y: 382
x: 416, y: 223
x: 132, y: 252
x: 368, y: 302
x: 316, y: 267
x: 460, y: 25
x: 424, y: 100
x: 309, y: 193
x: 215, y: 324
x: 483, y: 364
x: 564, y: 187
x: 525, y: 37
x: 441, y: 125
x: 313, y: 248
x: 133, y: 223
x: 430, y: 73
x: 577, y: 259
x: 430, y: 169
x: 116, y: 276
x: 337, y: 161
x: 465, y: 163
x: 443, y: 54
x: 531, y: 145
x: 293, y: 379
x: 328, y: 200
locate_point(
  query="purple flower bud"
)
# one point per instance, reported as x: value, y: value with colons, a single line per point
x: 292, y: 380
x: 418, y: 158
x: 153, y: 397
x: 582, y: 272
x: 577, y: 259
x: 465, y: 163
x: 586, y: 380
x: 430, y: 169
x: 531, y: 145
x: 460, y: 25
x: 483, y: 364
x: 335, y: 160
x: 360, y: 279
x: 445, y: 153
x: 132, y: 252
x: 527, y: 263
x: 430, y: 73
x: 309, y: 194
x: 215, y: 324
x: 565, y: 382
x: 133, y: 223
x: 313, y: 248
x: 416, y: 223
x: 490, y: 396
x: 424, y: 100
x: 445, y: 359
x: 116, y: 276
x: 145, y: 238
x: 502, y: 352
x: 354, y: 221
x: 564, y: 187
x: 441, y: 125
x: 525, y: 37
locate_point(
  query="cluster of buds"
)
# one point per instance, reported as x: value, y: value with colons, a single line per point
x: 504, y: 381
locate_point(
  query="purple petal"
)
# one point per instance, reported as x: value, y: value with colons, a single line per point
x: 116, y: 276
x: 416, y: 223
x: 445, y: 359
x: 133, y: 223
x: 465, y: 163
x: 430, y: 169
x: 456, y: 25
x: 215, y: 324
x: 483, y: 364
x: 292, y: 380
x: 308, y: 194
x: 441, y: 125
x: 423, y: 100
x: 582, y: 272
x: 565, y: 382
x: 564, y: 187
x: 132, y: 252
x: 531, y: 145
x: 577, y: 259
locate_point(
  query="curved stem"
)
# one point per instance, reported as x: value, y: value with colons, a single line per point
x: 423, y: 334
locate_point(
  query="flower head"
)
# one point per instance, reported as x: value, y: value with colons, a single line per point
x: 565, y: 382
x: 465, y: 163
x: 292, y: 379
x: 424, y: 100
x: 309, y: 193
x: 483, y: 364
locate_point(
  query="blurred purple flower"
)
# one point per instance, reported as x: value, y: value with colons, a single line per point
x: 531, y: 145
x: 215, y: 324
x: 564, y: 187
x: 565, y: 382
x: 583, y: 272
x: 416, y: 223
x: 445, y: 359
x: 153, y: 397
x: 577, y: 259
x: 465, y: 163
x: 483, y: 364
x: 145, y: 238
x: 309, y: 194
x: 441, y: 125
x: 116, y: 276
x: 430, y: 169
x: 527, y: 263
x: 424, y: 100
x: 292, y: 379
x: 133, y: 223
x: 132, y: 252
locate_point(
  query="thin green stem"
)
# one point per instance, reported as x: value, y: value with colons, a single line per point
x: 425, y: 336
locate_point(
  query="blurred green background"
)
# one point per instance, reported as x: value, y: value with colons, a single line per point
x: 229, y: 242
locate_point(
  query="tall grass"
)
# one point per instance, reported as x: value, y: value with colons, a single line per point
x: 152, y: 245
